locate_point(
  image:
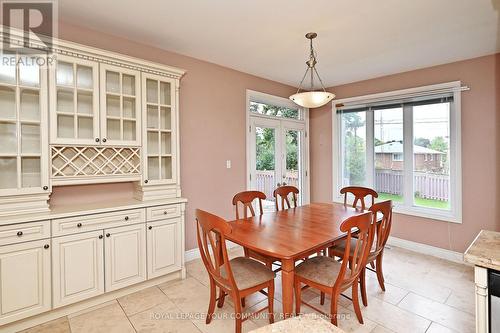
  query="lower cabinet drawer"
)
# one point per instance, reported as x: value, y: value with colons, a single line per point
x: 17, y: 233
x: 163, y: 212
x: 72, y: 225
x: 164, y: 247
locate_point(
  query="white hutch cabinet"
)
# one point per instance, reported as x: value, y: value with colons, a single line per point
x: 86, y: 116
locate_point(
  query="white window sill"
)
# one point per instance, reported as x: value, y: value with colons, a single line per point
x: 434, y: 214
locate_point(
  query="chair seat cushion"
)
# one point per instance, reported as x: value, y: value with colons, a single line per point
x: 320, y: 269
x: 339, y: 247
x: 248, y: 272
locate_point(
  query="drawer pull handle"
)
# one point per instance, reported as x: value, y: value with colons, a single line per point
x: 104, y: 140
x: 97, y: 140
x: 46, y: 246
x: 126, y: 218
x: 108, y: 234
x: 165, y: 213
x: 150, y: 227
x: 45, y: 188
x: 100, y: 236
x: 79, y: 225
x: 19, y: 233
x: 146, y: 181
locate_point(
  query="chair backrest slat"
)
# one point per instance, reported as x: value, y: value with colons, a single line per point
x: 364, y: 229
x: 360, y: 193
x: 211, y: 231
x: 282, y: 193
x: 246, y: 198
x: 383, y: 228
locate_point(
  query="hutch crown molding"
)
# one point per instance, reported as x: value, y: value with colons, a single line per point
x: 81, y: 115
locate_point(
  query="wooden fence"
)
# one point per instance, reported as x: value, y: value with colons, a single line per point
x: 266, y: 183
x: 427, y: 185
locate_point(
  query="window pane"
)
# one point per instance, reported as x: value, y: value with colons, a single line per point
x: 354, y: 148
x: 272, y: 110
x: 389, y: 156
x: 431, y: 169
x: 265, y: 175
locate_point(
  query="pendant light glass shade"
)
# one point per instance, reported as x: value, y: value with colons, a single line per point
x: 313, y: 98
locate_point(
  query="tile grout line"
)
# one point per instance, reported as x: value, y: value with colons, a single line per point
x: 128, y: 319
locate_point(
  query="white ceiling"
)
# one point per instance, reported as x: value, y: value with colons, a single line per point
x: 357, y: 39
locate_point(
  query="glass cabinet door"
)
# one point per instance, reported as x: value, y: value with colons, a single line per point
x: 23, y: 125
x: 74, y: 103
x: 160, y: 129
x: 120, y: 106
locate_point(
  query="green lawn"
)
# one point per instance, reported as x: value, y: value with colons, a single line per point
x: 418, y: 201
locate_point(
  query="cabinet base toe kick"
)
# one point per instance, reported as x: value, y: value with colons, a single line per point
x: 94, y: 302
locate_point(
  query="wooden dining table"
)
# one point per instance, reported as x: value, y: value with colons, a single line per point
x: 291, y: 235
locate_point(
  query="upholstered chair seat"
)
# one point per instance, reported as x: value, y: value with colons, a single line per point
x: 248, y: 272
x: 320, y: 269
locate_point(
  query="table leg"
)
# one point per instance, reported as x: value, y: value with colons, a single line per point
x: 287, y: 276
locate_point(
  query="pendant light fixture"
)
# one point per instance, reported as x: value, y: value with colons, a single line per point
x: 312, y: 98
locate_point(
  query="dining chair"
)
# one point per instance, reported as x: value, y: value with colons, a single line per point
x: 360, y: 193
x: 238, y: 277
x: 382, y: 230
x: 332, y: 277
x: 246, y: 199
x: 283, y: 192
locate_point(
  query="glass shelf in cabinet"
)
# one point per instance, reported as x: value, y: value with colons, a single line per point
x: 64, y: 74
x: 30, y: 105
x: 30, y: 139
x: 8, y: 138
x: 7, y: 103
x: 65, y: 100
x: 8, y: 176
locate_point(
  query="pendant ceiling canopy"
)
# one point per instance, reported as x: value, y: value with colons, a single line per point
x: 312, y: 98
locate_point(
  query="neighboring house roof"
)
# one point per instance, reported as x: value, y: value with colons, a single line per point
x: 397, y: 147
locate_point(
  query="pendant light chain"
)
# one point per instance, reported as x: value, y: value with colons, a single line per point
x: 311, y: 69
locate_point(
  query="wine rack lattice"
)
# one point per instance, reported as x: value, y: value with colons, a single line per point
x: 82, y: 161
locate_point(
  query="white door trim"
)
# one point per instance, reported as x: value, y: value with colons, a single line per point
x: 280, y: 101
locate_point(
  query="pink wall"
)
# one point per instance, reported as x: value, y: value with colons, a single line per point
x: 212, y: 124
x: 480, y: 149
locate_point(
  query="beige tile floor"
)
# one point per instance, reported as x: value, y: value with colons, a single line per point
x: 423, y: 294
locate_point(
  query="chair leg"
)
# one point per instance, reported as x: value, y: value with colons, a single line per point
x: 298, y: 299
x: 211, y: 305
x: 243, y: 302
x: 362, y: 282
x: 380, y: 275
x: 270, y: 301
x: 222, y: 297
x: 237, y: 315
x: 372, y: 265
x: 355, y: 302
x: 333, y: 308
x: 322, y: 298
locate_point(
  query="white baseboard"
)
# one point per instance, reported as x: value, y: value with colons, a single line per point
x: 427, y: 249
x: 194, y: 254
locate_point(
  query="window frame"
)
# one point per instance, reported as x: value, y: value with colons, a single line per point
x: 406, y: 207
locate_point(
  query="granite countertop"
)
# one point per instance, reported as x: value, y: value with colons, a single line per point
x: 305, y: 323
x: 485, y: 250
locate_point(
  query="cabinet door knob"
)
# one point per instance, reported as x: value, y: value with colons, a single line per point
x: 104, y: 140
x: 19, y: 233
x: 150, y: 227
x: 97, y: 140
x: 126, y: 218
x: 46, y: 246
x: 79, y: 225
x: 45, y: 188
x: 165, y: 212
x: 108, y: 234
x: 146, y: 181
x: 100, y: 236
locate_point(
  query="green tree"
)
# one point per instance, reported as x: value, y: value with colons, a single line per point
x: 439, y: 144
x: 354, y: 154
x: 422, y: 142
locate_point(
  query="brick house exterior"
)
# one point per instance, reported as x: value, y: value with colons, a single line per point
x: 389, y: 156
